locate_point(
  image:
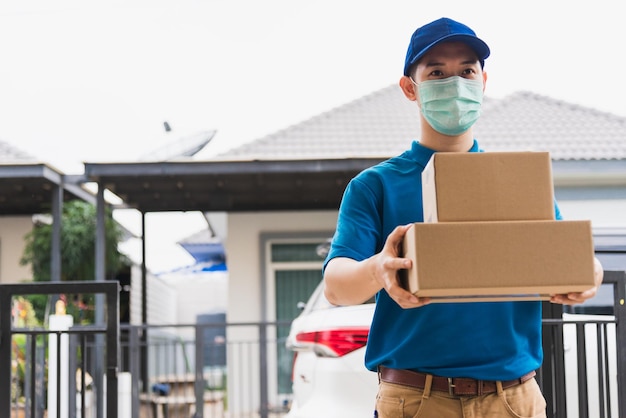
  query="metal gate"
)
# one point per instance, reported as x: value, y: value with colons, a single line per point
x: 579, y: 382
x: 104, y: 337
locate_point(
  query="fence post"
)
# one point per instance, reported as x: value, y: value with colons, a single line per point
x: 619, y: 310
x: 550, y: 380
x: 134, y: 368
x: 73, y: 365
x: 112, y: 347
x: 581, y: 363
x: 199, y: 379
x: 264, y: 398
x: 5, y: 353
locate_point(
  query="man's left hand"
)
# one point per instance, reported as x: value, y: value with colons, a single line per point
x: 579, y: 297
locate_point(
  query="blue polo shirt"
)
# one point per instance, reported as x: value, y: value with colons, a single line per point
x: 481, y: 340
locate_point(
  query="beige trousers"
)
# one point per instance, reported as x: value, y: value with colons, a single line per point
x: 398, y: 401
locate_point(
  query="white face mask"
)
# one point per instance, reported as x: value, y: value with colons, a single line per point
x: 450, y: 105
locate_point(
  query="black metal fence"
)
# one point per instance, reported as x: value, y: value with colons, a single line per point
x: 584, y: 368
x: 237, y: 370
x: 27, y: 374
x: 207, y: 370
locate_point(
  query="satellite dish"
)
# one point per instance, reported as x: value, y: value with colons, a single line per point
x: 187, y: 146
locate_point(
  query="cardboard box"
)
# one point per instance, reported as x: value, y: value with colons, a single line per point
x: 488, y: 186
x: 519, y: 260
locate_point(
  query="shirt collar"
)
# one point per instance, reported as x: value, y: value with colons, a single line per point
x: 422, y: 154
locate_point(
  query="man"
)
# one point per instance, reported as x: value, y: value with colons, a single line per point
x: 439, y: 359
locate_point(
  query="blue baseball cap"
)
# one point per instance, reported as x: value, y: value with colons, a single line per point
x: 442, y: 30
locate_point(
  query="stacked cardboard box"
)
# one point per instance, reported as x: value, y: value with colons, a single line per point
x: 490, y: 233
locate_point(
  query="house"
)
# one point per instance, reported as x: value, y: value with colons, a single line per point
x: 13, y: 227
x: 28, y: 187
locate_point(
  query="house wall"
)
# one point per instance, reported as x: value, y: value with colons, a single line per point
x: 602, y: 213
x: 135, y: 294
x: 12, y: 243
x: 244, y: 253
x: 198, y: 293
x: 162, y: 299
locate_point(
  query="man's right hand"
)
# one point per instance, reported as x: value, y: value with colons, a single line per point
x: 384, y: 268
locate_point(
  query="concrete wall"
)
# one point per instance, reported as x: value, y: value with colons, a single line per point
x: 12, y: 232
x: 602, y: 213
x: 244, y: 253
x: 196, y: 293
x: 162, y: 299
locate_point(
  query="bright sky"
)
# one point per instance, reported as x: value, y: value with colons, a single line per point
x: 95, y: 80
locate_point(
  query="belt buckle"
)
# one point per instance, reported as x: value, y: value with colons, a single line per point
x: 451, y: 387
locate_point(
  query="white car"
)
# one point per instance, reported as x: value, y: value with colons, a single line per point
x: 329, y: 375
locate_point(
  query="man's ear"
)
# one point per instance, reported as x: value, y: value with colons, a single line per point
x: 408, y: 88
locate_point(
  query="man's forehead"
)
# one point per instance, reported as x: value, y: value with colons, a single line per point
x: 450, y: 50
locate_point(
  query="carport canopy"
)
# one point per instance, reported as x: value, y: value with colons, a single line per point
x: 27, y: 189
x: 228, y: 186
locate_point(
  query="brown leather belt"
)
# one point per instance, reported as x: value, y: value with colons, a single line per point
x: 457, y: 386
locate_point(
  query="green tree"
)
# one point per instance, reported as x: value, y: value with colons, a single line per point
x: 78, y: 239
